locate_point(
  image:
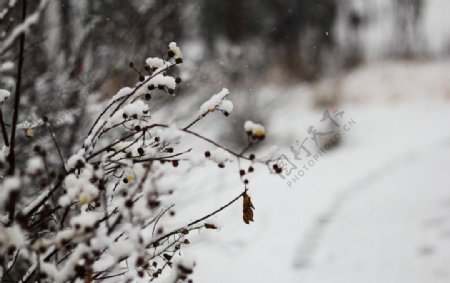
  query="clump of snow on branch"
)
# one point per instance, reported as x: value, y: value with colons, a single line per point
x: 11, y: 237
x: 173, y: 47
x: 35, y: 165
x: 217, y: 102
x: 220, y: 156
x: 155, y: 62
x: 135, y: 110
x: 9, y: 186
x: 4, y: 152
x: 123, y: 92
x: 6, y: 66
x: 24, y: 27
x: 4, y: 95
x: 162, y: 81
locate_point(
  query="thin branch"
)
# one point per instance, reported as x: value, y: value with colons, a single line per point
x: 63, y: 218
x: 159, y: 218
x: 4, y: 132
x: 193, y: 122
x: 166, y: 126
x: 42, y: 201
x: 161, y: 157
x: 23, y: 27
x: 11, y: 267
x: 215, y: 143
x: 198, y: 220
x: 7, y: 11
x: 121, y: 100
x: 110, y: 276
x: 218, y: 210
x: 52, y: 134
x: 11, y: 156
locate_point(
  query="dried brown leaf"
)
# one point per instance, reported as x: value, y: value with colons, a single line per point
x: 247, y: 209
x: 210, y: 226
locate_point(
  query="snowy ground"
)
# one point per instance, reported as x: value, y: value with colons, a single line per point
x: 375, y: 209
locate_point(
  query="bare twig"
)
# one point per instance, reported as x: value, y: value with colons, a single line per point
x: 193, y: 123
x: 198, y: 220
x: 11, y: 156
x: 4, y: 132
x: 52, y: 134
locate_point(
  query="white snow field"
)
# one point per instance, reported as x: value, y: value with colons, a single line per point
x: 374, y: 209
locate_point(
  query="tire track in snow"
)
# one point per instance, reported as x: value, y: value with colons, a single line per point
x: 312, y: 238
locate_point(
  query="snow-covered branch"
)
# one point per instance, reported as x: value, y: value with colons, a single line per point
x: 23, y: 27
x: 110, y: 211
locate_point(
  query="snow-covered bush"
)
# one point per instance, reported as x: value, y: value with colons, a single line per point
x: 108, y: 212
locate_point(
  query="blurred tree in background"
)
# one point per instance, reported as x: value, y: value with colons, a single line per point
x: 296, y: 32
x: 409, y: 14
x: 81, y: 47
x: 78, y: 48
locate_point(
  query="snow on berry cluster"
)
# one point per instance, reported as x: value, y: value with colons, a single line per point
x: 256, y: 131
x: 217, y: 102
